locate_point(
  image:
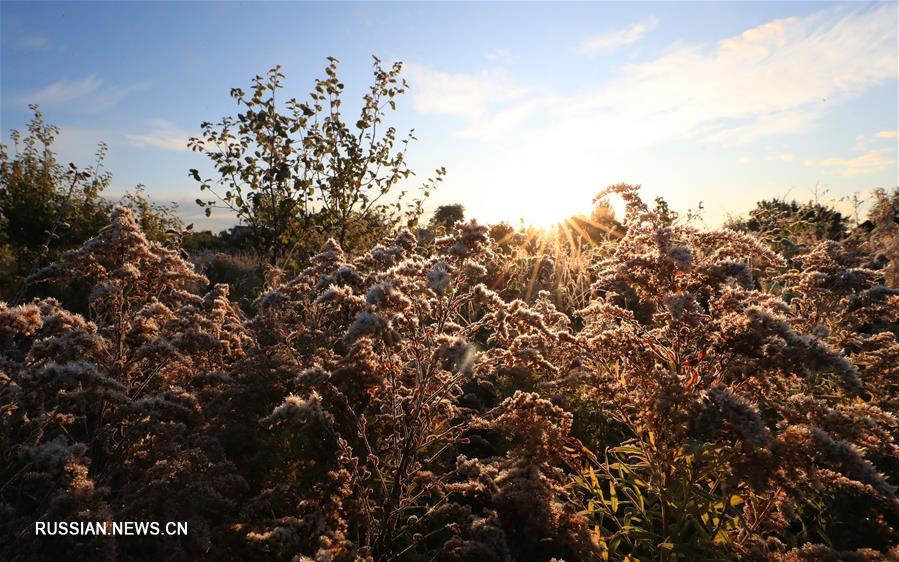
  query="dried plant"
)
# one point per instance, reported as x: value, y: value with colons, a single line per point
x: 103, y: 418
x: 436, y: 400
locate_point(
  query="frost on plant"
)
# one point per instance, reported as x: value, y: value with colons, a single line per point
x: 444, y: 400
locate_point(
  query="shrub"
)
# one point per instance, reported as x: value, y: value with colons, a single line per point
x: 45, y: 208
x: 287, y: 171
x: 725, y: 392
x: 792, y: 227
x: 710, y: 401
x: 387, y: 378
x: 104, y: 418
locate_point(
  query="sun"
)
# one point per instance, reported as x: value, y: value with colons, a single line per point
x: 549, y: 208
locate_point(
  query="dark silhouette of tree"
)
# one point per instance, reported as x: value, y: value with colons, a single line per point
x: 447, y: 216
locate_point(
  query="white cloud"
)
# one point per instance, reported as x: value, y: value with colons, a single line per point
x: 861, y: 144
x: 769, y: 80
x: 757, y: 128
x: 468, y: 96
x: 778, y: 79
x: 775, y: 79
x: 611, y: 41
x: 744, y: 160
x: 869, y: 163
x: 164, y: 136
x: 88, y: 92
x: 498, y: 124
x: 64, y: 91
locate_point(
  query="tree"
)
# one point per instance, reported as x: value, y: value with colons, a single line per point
x: 447, y: 216
x: 46, y: 207
x: 295, y: 170
x: 879, y: 235
x: 790, y: 227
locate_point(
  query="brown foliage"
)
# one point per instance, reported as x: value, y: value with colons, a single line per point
x: 710, y: 401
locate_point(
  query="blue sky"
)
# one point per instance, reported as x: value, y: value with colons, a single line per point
x: 533, y: 107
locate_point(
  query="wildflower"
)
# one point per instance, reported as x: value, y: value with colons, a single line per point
x: 302, y: 410
x: 439, y: 277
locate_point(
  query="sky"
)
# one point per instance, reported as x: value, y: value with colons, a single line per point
x: 532, y: 107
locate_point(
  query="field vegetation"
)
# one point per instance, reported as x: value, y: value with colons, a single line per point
x: 338, y: 379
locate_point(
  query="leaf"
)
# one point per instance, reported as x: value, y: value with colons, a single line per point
x: 627, y: 449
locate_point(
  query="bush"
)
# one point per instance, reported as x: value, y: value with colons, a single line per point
x: 710, y: 401
x: 45, y: 208
x: 291, y: 170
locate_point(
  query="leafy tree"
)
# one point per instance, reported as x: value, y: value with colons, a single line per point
x: 45, y: 207
x: 295, y: 169
x: 447, y: 216
x: 791, y: 226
